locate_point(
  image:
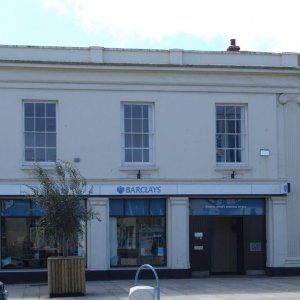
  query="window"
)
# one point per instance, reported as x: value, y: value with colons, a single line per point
x: 230, y: 133
x: 137, y: 133
x: 40, y: 132
x: 24, y: 243
x: 137, y: 232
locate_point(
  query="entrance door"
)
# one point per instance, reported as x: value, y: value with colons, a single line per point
x: 226, y: 245
x: 227, y: 236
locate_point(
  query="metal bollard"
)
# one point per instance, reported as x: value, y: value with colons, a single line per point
x: 142, y: 291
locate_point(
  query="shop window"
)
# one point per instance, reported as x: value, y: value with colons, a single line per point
x: 24, y: 244
x: 138, y: 236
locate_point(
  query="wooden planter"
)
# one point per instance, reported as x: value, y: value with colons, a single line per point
x: 66, y: 276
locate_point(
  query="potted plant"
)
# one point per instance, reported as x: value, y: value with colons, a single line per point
x: 60, y: 194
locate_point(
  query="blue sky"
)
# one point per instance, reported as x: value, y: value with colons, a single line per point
x: 257, y: 25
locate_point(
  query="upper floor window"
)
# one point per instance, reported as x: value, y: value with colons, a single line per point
x: 230, y: 133
x: 40, y: 132
x: 137, y: 133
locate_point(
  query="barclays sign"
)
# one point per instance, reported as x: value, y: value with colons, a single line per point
x: 139, y: 189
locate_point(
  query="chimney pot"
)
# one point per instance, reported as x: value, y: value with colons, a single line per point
x: 233, y: 46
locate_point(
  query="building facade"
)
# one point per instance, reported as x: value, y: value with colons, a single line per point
x: 192, y: 156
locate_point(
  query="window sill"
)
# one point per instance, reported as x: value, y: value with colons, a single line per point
x: 226, y: 167
x: 44, y: 165
x: 138, y: 168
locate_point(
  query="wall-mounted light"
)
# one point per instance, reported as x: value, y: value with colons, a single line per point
x: 138, y: 175
x: 264, y: 152
x: 76, y: 159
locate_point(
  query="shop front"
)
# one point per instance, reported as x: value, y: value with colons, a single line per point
x: 227, y: 235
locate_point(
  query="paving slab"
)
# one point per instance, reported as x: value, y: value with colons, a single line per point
x: 205, y: 288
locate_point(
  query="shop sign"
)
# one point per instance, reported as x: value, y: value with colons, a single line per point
x: 227, y: 207
x: 139, y: 189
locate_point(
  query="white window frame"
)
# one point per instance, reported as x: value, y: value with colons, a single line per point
x: 150, y: 134
x: 44, y: 162
x: 243, y: 134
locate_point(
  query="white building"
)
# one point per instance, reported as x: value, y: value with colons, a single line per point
x: 193, y: 157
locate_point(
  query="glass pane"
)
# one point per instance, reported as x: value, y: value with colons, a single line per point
x: 145, y: 140
x: 15, y: 208
x: 137, y: 155
x: 29, y: 139
x: 51, y: 139
x: 136, y: 111
x: 238, y: 141
x: 230, y: 126
x: 157, y: 207
x: 36, y: 210
x: 116, y: 207
x: 128, y: 140
x: 50, y: 110
x: 238, y: 156
x: 136, y: 125
x: 137, y: 240
x: 230, y: 155
x: 145, y: 111
x: 220, y: 155
x: 220, y: 111
x: 51, y: 154
x: 40, y: 139
x: 40, y: 154
x: 146, y: 155
x: 230, y: 112
x: 29, y: 124
x: 51, y: 124
x: 145, y: 126
x: 238, y: 126
x: 220, y: 140
x: 29, y: 109
x: 221, y: 126
x: 136, y: 207
x: 39, y: 124
x: 29, y: 154
x: 128, y: 155
x: 238, y: 112
x: 127, y: 111
x: 127, y: 125
x: 137, y: 141
x: 230, y: 141
x: 40, y: 110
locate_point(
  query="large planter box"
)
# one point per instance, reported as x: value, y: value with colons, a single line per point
x: 66, y: 276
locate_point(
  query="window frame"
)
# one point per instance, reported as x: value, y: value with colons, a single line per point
x: 150, y: 134
x: 243, y: 135
x: 42, y: 162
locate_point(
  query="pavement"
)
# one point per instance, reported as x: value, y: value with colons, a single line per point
x: 208, y: 288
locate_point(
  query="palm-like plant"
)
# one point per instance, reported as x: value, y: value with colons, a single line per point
x: 60, y: 193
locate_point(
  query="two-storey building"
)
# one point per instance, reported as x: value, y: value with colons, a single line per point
x: 193, y: 158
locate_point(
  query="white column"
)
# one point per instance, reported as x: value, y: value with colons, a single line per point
x: 178, y: 233
x: 276, y: 231
x: 98, y: 236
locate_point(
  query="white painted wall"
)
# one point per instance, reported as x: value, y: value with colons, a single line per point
x: 89, y: 98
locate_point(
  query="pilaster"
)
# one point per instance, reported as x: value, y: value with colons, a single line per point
x: 98, y: 236
x: 178, y: 233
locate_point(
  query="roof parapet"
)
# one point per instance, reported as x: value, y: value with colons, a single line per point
x: 100, y: 55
